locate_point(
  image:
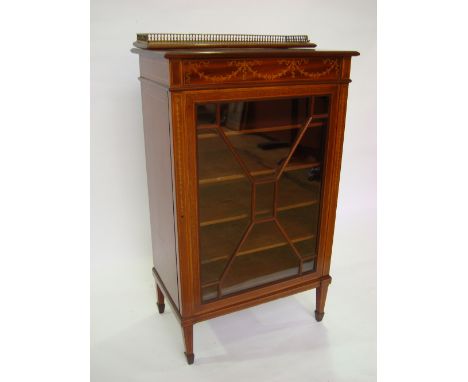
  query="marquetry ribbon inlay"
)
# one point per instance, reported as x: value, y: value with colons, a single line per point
x: 255, y: 69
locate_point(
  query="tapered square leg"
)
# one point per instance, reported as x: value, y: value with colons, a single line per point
x: 160, y: 302
x: 321, y: 297
x: 188, y: 339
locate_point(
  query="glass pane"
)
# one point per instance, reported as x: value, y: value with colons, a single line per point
x: 299, y: 223
x: 262, y: 236
x: 210, y: 292
x: 222, y: 202
x: 298, y: 188
x: 206, y: 114
x: 215, y: 162
x: 224, y: 206
x: 217, y: 243
x: 263, y: 141
x: 321, y: 105
x: 309, y: 149
x: 258, y: 215
x: 265, y: 256
x: 308, y: 266
x: 265, y: 199
x: 247, y: 115
x: 299, y: 195
x: 263, y: 153
x: 260, y: 268
x: 306, y: 248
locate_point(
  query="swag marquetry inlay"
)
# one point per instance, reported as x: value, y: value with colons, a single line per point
x: 203, y: 71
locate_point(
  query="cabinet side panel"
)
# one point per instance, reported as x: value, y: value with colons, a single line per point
x: 334, y: 152
x: 159, y: 172
x: 155, y: 69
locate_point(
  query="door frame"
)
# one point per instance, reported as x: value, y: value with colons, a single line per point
x: 183, y: 123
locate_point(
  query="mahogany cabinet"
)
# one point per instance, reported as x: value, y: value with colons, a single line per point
x: 243, y: 152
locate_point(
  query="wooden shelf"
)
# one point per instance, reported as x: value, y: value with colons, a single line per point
x: 274, y: 245
x: 206, y: 126
x: 230, y: 132
x: 291, y: 167
x: 229, y: 201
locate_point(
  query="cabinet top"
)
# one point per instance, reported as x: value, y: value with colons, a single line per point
x: 241, y: 53
x: 199, y: 66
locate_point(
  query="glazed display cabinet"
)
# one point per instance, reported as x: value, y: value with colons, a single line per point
x: 243, y: 152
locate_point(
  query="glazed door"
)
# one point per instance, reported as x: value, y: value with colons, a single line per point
x: 260, y: 165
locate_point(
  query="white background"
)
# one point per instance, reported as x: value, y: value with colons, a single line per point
x: 274, y: 342
x: 44, y: 219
